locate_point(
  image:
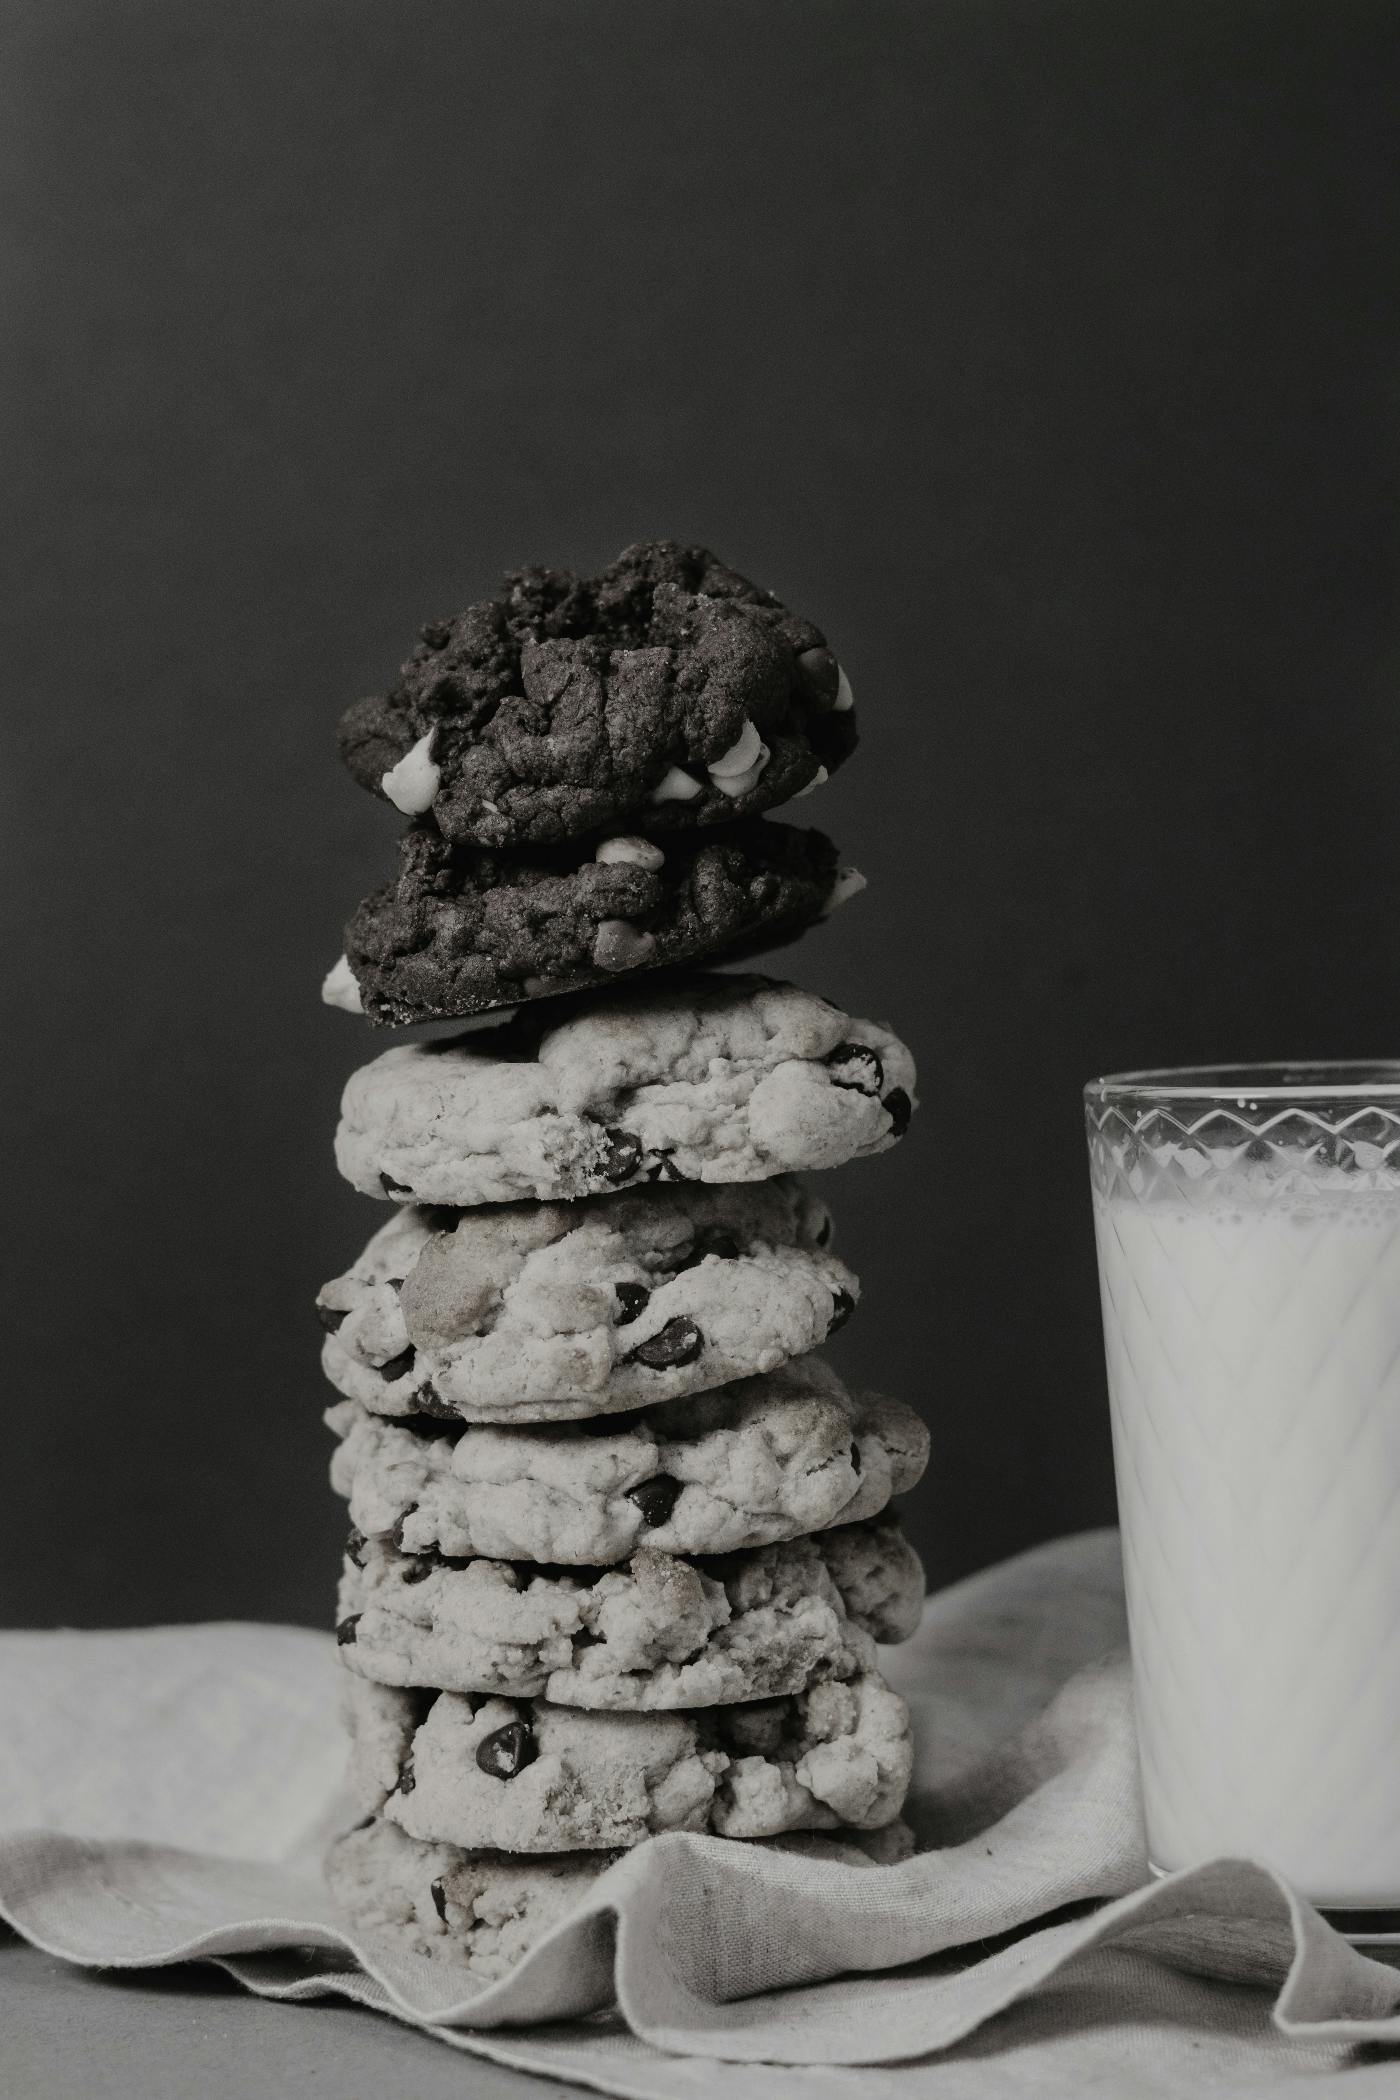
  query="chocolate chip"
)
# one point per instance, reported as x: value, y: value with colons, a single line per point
x: 821, y: 674
x: 429, y: 1401
x: 355, y: 1547
x: 394, y: 1188
x: 329, y: 1318
x: 623, y: 1154
x: 397, y: 1533
x: 508, y: 1751
x: 655, y: 1498
x: 855, y: 1458
x: 429, y: 1427
x: 345, y: 1631
x: 419, y: 1568
x: 679, y: 1342
x: 632, y: 1298
x: 843, y: 1305
x: 397, y: 1365
x: 407, y: 1777
x: 899, y: 1108
x: 437, y: 634
x: 663, y: 1167
x: 855, y: 1065
x: 439, y: 1896
x: 710, y: 1239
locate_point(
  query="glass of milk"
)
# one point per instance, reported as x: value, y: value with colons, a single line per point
x: 1248, y: 1226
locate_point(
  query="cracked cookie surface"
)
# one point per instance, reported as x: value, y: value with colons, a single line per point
x: 463, y: 930
x: 525, y: 1776
x: 667, y: 690
x: 745, y: 1465
x: 709, y: 1078
x: 653, y: 1632
x: 542, y: 1312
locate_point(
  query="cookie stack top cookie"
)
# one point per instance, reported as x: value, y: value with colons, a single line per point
x: 585, y: 763
x: 667, y: 688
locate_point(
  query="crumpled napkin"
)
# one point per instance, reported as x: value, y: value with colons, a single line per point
x: 165, y: 1795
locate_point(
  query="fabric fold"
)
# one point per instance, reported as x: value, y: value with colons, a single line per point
x: 184, y: 1818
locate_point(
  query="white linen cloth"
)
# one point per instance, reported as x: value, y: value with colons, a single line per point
x: 165, y: 1795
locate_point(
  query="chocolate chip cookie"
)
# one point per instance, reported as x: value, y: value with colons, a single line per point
x: 745, y: 1465
x: 709, y: 1078
x: 654, y: 1632
x: 530, y: 1312
x: 482, y: 1912
x: 525, y: 1776
x: 667, y: 691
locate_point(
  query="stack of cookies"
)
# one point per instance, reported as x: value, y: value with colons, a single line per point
x: 622, y: 1548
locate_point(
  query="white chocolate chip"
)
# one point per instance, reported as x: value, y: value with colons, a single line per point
x: 675, y: 786
x: 818, y: 779
x: 741, y: 756
x: 845, y: 699
x: 630, y: 852
x: 618, y: 945
x: 736, y: 784
x: 849, y: 883
x: 340, y: 988
x: 413, y: 782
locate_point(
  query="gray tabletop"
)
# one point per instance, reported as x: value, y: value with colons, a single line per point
x: 171, y: 2034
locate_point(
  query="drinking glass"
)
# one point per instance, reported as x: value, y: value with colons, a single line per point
x: 1248, y: 1228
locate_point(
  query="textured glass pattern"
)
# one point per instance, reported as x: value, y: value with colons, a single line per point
x: 1249, y: 1251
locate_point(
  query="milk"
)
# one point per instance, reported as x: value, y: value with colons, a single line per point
x: 1253, y: 1346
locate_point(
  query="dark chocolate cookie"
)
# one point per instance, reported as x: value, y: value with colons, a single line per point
x: 464, y: 929
x: 667, y: 692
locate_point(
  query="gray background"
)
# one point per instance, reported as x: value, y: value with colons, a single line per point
x: 1046, y: 353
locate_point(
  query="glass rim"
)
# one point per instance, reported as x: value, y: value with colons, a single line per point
x: 1296, y: 1079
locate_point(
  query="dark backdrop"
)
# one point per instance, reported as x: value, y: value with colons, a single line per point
x: 1045, y: 352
